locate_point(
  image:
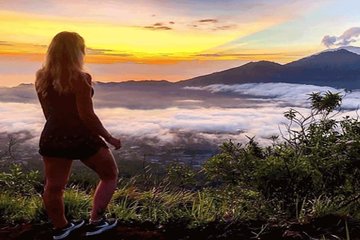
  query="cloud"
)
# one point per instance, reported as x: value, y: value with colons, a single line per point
x: 158, y: 26
x: 208, y: 20
x: 136, y: 96
x: 97, y: 51
x: 225, y: 27
x: 22, y: 44
x: 232, y: 118
x: 6, y: 43
x: 236, y: 54
x: 329, y: 41
x: 349, y: 36
x: 211, y: 24
x: 17, y: 117
x: 279, y: 94
x: 164, y: 95
x: 165, y: 125
x: 107, y: 52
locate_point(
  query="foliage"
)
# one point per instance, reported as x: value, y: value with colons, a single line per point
x: 235, y: 164
x: 181, y: 175
x: 319, y: 155
x: 17, y: 181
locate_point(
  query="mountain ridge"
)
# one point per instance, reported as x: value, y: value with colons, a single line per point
x: 339, y: 68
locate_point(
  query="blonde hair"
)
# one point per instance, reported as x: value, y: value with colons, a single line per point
x: 63, y: 65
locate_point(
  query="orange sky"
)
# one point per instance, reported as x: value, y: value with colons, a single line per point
x: 158, y: 39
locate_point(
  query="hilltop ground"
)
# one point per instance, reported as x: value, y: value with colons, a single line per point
x: 327, y: 227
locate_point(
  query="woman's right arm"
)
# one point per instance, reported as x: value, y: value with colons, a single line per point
x: 44, y: 106
x: 83, y: 92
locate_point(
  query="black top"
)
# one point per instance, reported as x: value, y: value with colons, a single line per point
x: 65, y: 134
x: 61, y: 109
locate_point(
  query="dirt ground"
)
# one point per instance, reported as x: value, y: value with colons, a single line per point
x: 328, y: 227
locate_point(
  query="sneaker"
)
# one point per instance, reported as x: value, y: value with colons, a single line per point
x: 100, y: 227
x: 65, y: 231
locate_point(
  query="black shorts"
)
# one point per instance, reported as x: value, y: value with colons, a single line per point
x: 70, y: 146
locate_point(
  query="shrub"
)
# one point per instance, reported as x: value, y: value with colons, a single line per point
x: 181, y: 175
x: 319, y: 155
x: 17, y: 181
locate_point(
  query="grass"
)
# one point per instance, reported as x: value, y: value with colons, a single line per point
x: 157, y: 205
x: 77, y: 203
x: 347, y: 231
x: 161, y: 205
x: 20, y: 209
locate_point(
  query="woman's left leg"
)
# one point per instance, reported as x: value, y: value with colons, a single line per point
x: 57, y: 171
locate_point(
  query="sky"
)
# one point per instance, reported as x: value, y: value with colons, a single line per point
x: 171, y: 40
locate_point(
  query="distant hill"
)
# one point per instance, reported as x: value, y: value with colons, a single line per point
x: 339, y: 68
x: 133, y: 83
x: 262, y: 71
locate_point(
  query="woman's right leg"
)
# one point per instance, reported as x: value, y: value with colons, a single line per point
x: 103, y: 163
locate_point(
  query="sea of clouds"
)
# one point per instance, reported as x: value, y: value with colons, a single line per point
x: 284, y: 93
x: 262, y: 119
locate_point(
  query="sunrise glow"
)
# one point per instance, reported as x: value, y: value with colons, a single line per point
x: 182, y: 39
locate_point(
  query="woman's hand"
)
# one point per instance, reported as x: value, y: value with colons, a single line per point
x: 114, y: 141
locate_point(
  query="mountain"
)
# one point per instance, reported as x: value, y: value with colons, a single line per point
x: 262, y: 71
x: 133, y: 83
x: 339, y: 68
x: 339, y: 59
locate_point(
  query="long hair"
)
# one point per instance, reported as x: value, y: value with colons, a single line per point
x: 63, y: 64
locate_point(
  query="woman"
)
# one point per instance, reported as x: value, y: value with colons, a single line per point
x: 72, y: 131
